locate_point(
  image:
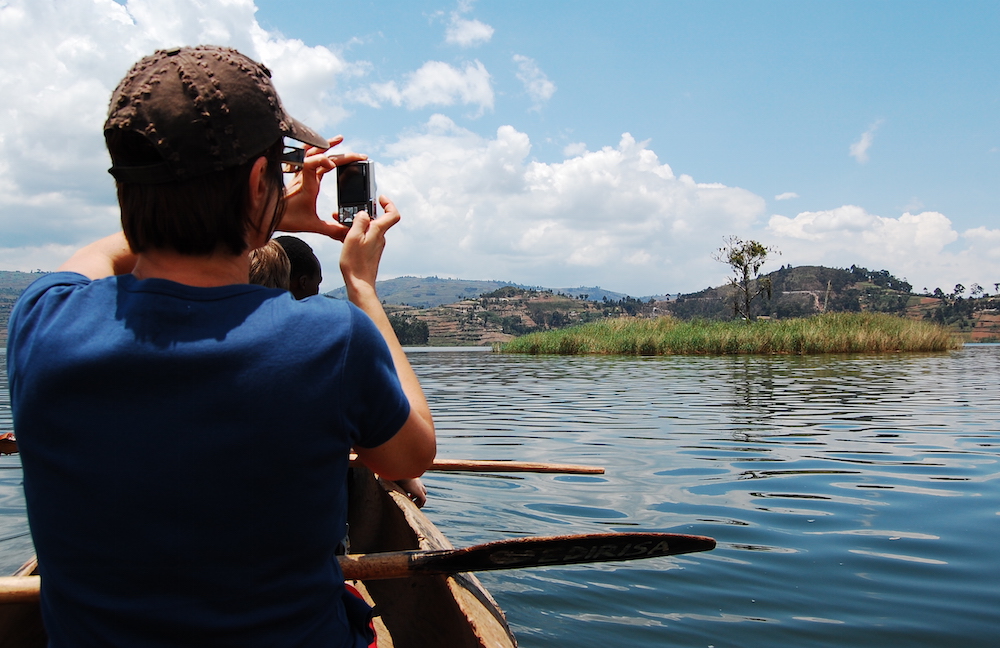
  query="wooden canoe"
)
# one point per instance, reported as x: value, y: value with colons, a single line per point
x: 454, y: 611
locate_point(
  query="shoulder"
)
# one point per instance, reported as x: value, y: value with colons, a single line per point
x: 316, y: 318
x: 57, y: 285
x: 320, y: 306
x: 54, y: 279
x: 340, y: 318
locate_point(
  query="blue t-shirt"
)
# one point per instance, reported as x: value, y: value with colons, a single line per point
x: 185, y: 453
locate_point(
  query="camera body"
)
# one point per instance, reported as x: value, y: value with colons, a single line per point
x: 355, y: 190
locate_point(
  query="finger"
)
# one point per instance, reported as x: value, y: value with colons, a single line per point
x: 335, y: 231
x: 388, y: 206
x: 361, y: 223
x: 319, y: 163
x: 391, y: 215
x: 346, y: 158
x: 314, y: 150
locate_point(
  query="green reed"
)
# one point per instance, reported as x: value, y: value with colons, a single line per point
x: 827, y: 333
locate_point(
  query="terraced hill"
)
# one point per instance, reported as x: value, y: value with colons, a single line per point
x: 460, y: 313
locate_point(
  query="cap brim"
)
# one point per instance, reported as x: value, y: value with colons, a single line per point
x: 301, y: 132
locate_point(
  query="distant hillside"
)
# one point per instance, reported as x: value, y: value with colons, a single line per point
x: 805, y: 290
x: 502, y: 314
x: 593, y: 293
x: 446, y: 312
x: 428, y: 292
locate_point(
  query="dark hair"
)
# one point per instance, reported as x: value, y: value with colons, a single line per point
x: 195, y: 216
x: 301, y: 256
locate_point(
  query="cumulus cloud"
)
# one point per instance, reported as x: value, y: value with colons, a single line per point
x: 788, y: 195
x: 439, y: 84
x: 859, y: 149
x: 59, y: 63
x: 473, y: 206
x: 984, y: 242
x: 536, y: 84
x: 915, y: 246
x: 617, y: 216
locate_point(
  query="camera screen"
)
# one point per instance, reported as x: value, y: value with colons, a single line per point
x: 352, y: 184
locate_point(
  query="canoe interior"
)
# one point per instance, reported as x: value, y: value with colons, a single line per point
x: 21, y: 623
x: 427, y: 610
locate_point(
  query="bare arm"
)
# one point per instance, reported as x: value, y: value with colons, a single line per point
x: 108, y: 256
x: 411, y: 451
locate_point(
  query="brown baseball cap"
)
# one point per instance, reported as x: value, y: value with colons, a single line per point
x: 204, y: 109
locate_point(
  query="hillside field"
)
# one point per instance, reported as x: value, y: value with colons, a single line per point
x: 456, y: 312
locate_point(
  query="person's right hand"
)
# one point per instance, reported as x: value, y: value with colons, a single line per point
x: 363, y: 245
x: 415, y: 490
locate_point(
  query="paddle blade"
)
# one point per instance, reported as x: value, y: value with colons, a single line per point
x: 562, y: 550
x: 524, y: 552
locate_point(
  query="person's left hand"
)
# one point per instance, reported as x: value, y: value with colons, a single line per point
x: 301, y: 194
x: 415, y: 490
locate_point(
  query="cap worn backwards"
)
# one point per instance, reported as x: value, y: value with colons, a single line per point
x: 204, y: 109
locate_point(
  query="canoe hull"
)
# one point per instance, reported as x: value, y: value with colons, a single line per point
x: 21, y: 623
x: 428, y: 610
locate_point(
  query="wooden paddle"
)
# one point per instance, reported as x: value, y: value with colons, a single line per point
x: 522, y: 552
x: 502, y: 554
x: 501, y: 465
x: 8, y: 445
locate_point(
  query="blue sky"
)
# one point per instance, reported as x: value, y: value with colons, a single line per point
x: 565, y: 143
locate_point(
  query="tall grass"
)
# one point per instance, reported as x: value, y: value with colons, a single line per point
x: 827, y: 333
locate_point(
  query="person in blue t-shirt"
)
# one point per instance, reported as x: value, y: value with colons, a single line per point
x: 185, y: 435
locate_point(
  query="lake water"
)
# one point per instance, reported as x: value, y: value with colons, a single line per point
x: 855, y: 499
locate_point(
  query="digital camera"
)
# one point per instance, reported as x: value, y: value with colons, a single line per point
x: 355, y: 190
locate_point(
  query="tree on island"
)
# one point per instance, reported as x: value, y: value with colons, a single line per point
x: 746, y: 258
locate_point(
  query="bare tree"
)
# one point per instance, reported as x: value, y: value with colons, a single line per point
x: 746, y: 258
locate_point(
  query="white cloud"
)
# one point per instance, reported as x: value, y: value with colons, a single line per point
x: 536, y: 84
x: 467, y: 32
x: 984, y: 242
x: 473, y: 206
x: 915, y: 246
x: 306, y: 78
x: 788, y: 195
x: 60, y: 61
x: 617, y: 216
x: 439, y: 84
x: 859, y: 149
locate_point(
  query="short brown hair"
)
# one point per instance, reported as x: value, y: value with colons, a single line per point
x: 270, y: 267
x: 195, y: 216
